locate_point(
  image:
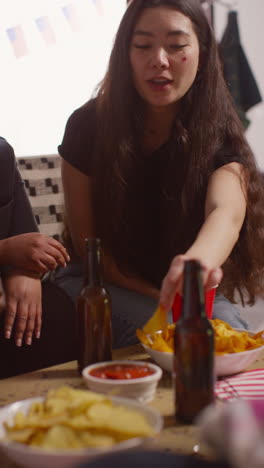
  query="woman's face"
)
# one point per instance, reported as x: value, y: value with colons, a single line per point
x: 164, y: 56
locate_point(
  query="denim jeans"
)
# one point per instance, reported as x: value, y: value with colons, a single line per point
x: 131, y: 310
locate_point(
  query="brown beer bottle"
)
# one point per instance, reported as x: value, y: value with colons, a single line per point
x: 193, y: 371
x: 94, y: 312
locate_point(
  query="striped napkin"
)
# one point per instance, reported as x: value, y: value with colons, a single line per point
x: 248, y: 385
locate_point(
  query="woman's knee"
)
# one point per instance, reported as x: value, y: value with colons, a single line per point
x: 225, y: 310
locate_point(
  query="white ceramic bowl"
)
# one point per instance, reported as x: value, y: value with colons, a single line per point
x: 225, y: 364
x: 163, y: 359
x: 142, y: 389
x: 31, y: 457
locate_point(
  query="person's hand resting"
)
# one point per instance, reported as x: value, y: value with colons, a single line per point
x: 172, y: 282
x: 23, y: 308
x: 33, y: 251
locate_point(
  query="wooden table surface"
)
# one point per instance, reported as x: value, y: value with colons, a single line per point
x: 182, y: 439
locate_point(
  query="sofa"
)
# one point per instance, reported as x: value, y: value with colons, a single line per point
x: 43, y: 183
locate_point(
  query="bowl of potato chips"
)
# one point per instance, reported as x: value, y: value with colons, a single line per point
x: 69, y: 426
x: 235, y: 349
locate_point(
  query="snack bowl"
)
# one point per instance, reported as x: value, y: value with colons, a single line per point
x: 162, y: 358
x: 141, y: 388
x: 233, y: 363
x: 225, y: 364
x: 32, y: 457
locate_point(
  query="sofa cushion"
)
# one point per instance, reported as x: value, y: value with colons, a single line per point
x: 42, y: 176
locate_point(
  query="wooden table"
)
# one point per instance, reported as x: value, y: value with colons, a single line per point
x: 182, y: 439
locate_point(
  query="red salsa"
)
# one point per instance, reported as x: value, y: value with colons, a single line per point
x: 121, y: 371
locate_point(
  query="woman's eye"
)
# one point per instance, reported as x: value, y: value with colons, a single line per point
x: 142, y: 46
x: 177, y: 46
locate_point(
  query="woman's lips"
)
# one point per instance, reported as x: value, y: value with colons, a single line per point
x: 159, y: 84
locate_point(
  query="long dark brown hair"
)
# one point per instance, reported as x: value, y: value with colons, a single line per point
x: 206, y: 124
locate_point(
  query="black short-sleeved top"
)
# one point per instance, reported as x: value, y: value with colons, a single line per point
x: 150, y: 240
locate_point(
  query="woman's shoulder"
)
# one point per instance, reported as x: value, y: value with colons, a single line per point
x: 6, y: 150
x: 226, y: 155
x: 79, y: 137
x: 84, y: 115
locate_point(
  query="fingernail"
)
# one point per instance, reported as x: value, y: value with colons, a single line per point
x: 29, y: 341
x: 19, y: 342
x: 68, y: 258
x: 8, y: 334
x: 38, y: 335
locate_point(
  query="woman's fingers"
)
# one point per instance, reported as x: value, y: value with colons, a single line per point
x: 57, y: 256
x: 214, y: 278
x: 172, y: 282
x: 60, y: 249
x: 10, y: 315
x: 38, y: 321
x: 21, y: 321
x: 30, y: 323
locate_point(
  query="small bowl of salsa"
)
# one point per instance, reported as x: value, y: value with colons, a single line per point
x: 130, y: 379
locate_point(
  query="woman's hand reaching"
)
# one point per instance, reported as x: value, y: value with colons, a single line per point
x: 33, y: 251
x: 172, y: 282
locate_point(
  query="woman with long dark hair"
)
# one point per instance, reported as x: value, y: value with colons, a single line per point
x: 158, y: 167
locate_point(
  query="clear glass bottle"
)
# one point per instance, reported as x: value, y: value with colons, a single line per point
x: 94, y: 311
x: 193, y: 372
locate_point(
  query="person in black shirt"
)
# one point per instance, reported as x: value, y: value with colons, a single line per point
x: 158, y: 167
x: 25, y: 254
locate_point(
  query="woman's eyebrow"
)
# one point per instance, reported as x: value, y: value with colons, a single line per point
x: 174, y: 32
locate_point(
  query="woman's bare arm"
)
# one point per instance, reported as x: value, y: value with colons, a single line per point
x: 225, y: 211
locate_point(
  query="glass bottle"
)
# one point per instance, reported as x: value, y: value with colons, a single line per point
x: 94, y: 311
x: 193, y: 371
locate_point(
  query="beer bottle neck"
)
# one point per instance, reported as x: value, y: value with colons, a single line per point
x: 93, y: 275
x: 193, y: 292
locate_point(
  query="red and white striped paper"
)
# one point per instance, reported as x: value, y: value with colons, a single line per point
x: 248, y: 385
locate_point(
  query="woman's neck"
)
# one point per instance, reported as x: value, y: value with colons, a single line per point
x: 158, y: 125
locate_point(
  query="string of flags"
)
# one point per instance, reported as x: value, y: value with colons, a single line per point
x: 72, y: 16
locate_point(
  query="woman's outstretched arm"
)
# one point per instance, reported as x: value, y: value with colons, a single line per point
x: 225, y: 211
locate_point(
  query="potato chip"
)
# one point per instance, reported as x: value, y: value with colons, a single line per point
x: 117, y: 419
x: 74, y: 419
x: 157, y: 322
x: 227, y: 340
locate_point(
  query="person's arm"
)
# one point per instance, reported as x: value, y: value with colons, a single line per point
x: 80, y: 219
x: 225, y: 210
x: 23, y: 246
x: 33, y: 252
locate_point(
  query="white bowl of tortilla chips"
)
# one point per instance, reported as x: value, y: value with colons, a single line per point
x: 235, y: 349
x: 70, y: 426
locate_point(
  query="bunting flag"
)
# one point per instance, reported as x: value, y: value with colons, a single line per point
x: 17, y: 39
x: 71, y: 14
x: 46, y: 30
x: 99, y: 7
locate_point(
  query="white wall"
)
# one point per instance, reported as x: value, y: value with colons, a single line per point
x: 251, y: 28
x: 40, y: 89
x: 53, y: 81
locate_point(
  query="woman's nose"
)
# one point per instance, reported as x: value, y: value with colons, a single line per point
x: 159, y: 59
